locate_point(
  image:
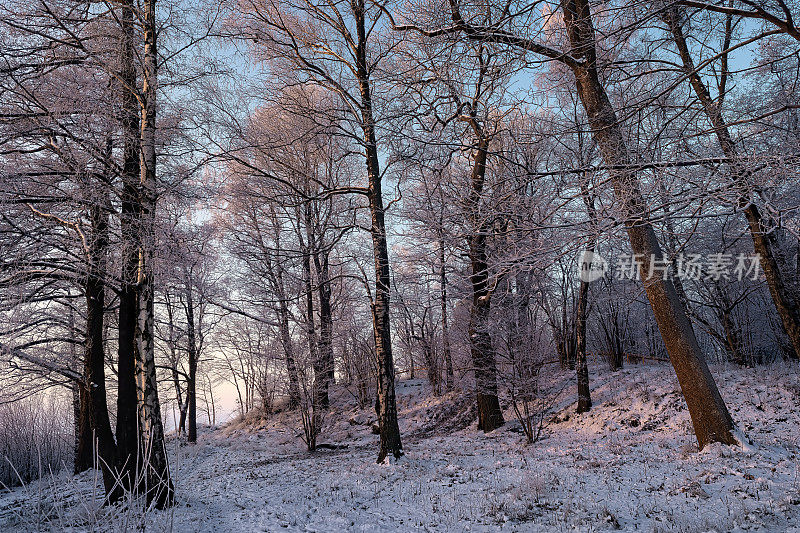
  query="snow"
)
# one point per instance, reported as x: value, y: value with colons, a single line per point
x: 629, y: 464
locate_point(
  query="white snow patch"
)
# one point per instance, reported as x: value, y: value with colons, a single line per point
x: 630, y: 463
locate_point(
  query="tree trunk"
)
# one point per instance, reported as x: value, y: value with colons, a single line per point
x: 386, y: 405
x: 321, y: 265
x: 731, y: 339
x: 581, y: 367
x: 288, y: 346
x: 94, y: 386
x: 320, y: 386
x: 184, y: 408
x: 127, y: 420
x: 764, y: 242
x: 82, y: 445
x: 325, y: 319
x: 275, y: 274
x: 448, y: 357
x: 428, y: 354
x: 84, y: 453
x: 323, y: 369
x: 158, y: 484
x: 490, y: 416
x: 710, y: 417
x: 191, y: 380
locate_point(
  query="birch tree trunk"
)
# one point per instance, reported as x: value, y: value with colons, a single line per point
x: 319, y: 387
x: 386, y: 405
x: 320, y: 346
x: 82, y: 428
x: 158, y: 484
x: 321, y: 265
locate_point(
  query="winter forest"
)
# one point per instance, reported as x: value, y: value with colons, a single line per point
x: 377, y: 265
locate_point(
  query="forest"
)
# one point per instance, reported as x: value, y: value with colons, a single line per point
x: 379, y: 265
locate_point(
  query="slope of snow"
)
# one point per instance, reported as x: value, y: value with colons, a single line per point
x: 629, y: 464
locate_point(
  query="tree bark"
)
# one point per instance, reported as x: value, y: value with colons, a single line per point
x: 448, y: 357
x: 320, y: 255
x: 84, y: 453
x: 490, y: 416
x: 764, y: 241
x: 158, y: 487
x: 731, y: 338
x: 325, y: 317
x: 191, y: 380
x: 581, y: 366
x: 710, y: 417
x: 429, y: 355
x: 386, y: 405
x: 127, y: 418
x: 95, y: 408
x: 82, y: 447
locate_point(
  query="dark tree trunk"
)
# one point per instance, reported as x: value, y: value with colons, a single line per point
x: 174, y: 359
x: 127, y: 418
x: 764, y: 241
x: 321, y: 256
x: 84, y: 450
x: 386, y: 404
x: 325, y: 364
x: 432, y: 365
x: 387, y: 407
x: 564, y: 333
x: 95, y: 408
x: 191, y: 398
x: 710, y: 417
x: 490, y: 416
x: 326, y: 321
x: 581, y: 366
x: 731, y: 339
x: 448, y: 357
x: 184, y: 408
x: 191, y: 380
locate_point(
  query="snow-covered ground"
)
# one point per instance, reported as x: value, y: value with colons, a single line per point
x: 629, y: 464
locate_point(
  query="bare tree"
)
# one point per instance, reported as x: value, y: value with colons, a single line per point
x: 712, y: 422
x: 344, y: 65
